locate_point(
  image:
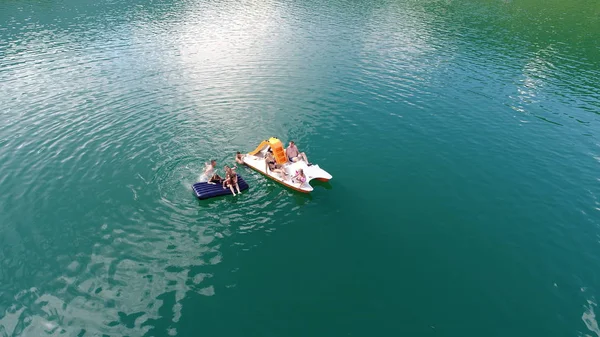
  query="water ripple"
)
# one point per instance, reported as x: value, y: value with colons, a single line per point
x: 110, y: 111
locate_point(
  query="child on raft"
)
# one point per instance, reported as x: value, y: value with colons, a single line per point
x: 231, y: 179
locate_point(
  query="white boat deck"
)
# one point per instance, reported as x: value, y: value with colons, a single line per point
x: 311, y: 172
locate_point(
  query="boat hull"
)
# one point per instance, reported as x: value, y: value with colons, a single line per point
x: 256, y: 161
x: 279, y: 181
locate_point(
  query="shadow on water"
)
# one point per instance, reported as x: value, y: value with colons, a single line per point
x: 275, y: 192
x: 301, y: 199
x: 211, y: 201
x: 325, y: 184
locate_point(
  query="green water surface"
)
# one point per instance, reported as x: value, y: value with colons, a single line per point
x: 462, y: 136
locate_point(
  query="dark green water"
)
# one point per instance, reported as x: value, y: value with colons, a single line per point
x: 462, y: 137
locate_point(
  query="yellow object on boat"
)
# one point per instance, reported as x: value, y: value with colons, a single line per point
x: 259, y: 148
x: 278, y: 150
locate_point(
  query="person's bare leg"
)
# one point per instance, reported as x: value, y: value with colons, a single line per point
x: 231, y: 188
x: 303, y: 155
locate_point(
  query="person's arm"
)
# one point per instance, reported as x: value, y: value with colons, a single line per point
x: 207, y: 167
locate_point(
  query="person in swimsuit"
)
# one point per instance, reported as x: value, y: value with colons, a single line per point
x: 239, y: 158
x: 231, y: 180
x: 271, y: 165
x: 299, y: 177
x: 234, y: 178
x: 210, y: 173
x: 294, y: 155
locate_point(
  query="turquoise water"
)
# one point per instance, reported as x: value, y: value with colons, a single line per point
x: 462, y: 137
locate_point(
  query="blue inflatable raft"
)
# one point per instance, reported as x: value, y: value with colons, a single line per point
x: 206, y: 190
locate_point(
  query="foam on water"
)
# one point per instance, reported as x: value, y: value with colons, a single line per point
x: 589, y: 318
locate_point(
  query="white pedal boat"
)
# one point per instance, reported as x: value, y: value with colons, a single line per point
x: 256, y: 160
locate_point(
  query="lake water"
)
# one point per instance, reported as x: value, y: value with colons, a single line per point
x: 462, y: 136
